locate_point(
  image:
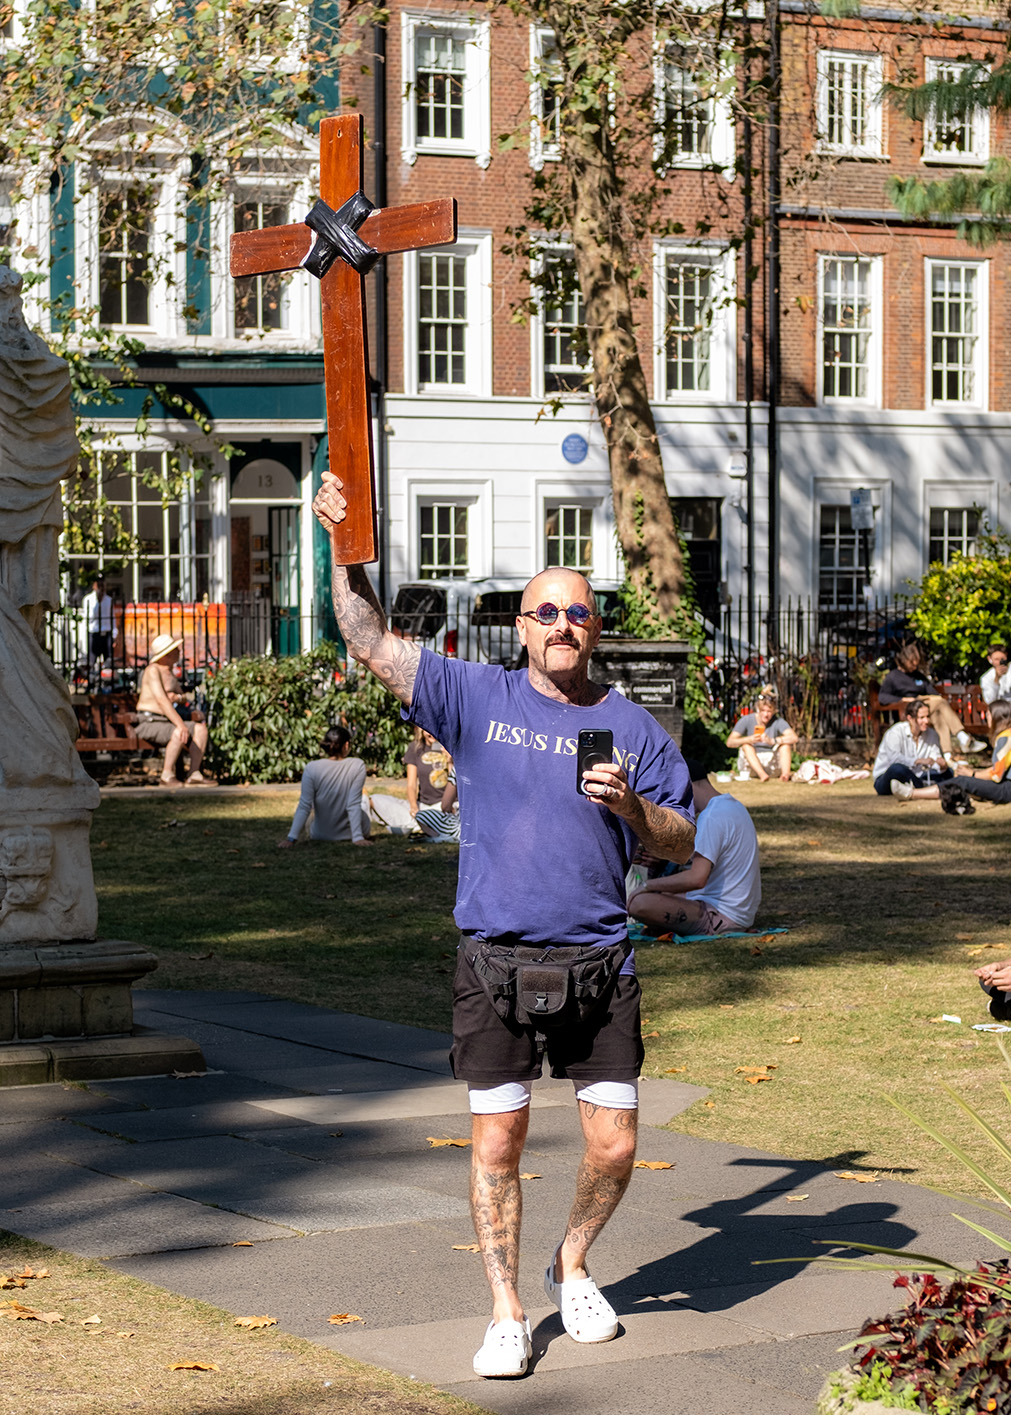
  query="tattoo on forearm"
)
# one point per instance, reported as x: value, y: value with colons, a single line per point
x: 664, y: 832
x: 496, y: 1206
x: 362, y: 622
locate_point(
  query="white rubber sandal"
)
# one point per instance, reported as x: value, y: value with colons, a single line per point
x: 505, y: 1351
x: 587, y: 1315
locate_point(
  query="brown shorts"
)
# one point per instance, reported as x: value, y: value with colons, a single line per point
x: 488, y: 1051
x: 152, y: 727
x: 711, y: 921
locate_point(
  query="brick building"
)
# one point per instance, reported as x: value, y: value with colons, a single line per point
x: 885, y: 359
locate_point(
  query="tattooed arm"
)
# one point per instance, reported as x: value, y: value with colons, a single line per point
x: 360, y: 616
x: 664, y: 832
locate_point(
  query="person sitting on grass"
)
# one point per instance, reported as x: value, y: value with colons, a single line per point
x: 332, y: 795
x: 165, y: 719
x: 764, y: 742
x: 720, y: 889
x: 989, y: 783
x: 910, y: 761
x: 908, y: 681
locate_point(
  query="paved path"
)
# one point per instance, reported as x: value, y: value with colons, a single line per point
x: 308, y: 1139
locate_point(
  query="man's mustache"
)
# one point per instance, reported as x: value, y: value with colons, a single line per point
x: 569, y: 639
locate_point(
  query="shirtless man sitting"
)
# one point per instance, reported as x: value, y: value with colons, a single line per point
x: 160, y: 720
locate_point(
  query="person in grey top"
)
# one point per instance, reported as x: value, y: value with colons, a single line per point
x: 332, y: 795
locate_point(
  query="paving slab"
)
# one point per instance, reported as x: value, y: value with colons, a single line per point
x: 310, y: 1140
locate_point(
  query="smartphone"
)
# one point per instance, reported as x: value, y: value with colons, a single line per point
x: 593, y: 746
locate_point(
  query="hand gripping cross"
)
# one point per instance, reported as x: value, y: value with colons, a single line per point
x: 339, y: 242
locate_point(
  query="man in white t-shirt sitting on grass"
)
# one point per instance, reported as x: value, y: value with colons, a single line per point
x: 719, y: 891
x: 763, y: 740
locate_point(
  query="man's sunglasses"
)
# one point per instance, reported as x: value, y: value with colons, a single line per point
x: 577, y: 614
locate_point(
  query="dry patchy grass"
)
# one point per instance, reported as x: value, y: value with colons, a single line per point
x: 65, y: 1368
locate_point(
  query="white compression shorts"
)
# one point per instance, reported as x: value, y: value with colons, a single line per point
x: 514, y: 1095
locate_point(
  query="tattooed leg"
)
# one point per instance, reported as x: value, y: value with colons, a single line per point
x: 665, y: 912
x: 496, y: 1204
x: 603, y: 1177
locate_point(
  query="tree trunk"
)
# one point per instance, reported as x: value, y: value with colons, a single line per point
x: 649, y: 541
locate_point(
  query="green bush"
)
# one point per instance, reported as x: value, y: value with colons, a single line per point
x: 965, y: 605
x: 268, y: 716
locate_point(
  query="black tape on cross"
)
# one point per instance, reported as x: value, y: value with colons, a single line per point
x: 335, y: 232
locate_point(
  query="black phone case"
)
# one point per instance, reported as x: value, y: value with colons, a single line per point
x: 587, y: 756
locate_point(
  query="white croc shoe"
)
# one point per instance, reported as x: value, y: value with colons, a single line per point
x: 505, y: 1351
x: 587, y: 1315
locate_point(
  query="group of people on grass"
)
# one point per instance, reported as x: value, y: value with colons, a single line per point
x: 916, y: 758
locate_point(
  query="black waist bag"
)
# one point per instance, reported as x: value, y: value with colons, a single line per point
x: 545, y: 987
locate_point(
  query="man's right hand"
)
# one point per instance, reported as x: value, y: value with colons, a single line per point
x: 329, y: 505
x: 285, y: 844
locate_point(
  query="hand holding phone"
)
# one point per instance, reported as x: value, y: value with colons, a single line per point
x: 594, y: 746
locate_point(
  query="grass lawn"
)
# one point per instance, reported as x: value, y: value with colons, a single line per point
x: 887, y: 905
x: 122, y: 1362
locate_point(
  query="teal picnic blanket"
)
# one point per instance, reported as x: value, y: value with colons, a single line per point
x: 639, y: 933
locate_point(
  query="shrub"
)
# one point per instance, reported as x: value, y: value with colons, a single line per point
x: 268, y: 716
x: 951, y: 1343
x: 965, y: 605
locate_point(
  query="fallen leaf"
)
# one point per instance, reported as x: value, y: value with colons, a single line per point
x: 771, y: 938
x: 254, y: 1323
x: 340, y: 1319
x: 756, y: 953
x: 797, y: 1198
x: 231, y: 852
x: 194, y: 1366
x: 652, y: 1164
x: 208, y: 832
x: 466, y: 1248
x: 675, y: 1070
x: 791, y: 1041
x: 258, y: 865
x: 93, y: 1321
x: 727, y: 1006
x: 242, y: 1243
x: 650, y: 1034
x: 126, y: 1333
x: 814, y: 842
x: 860, y: 1178
x: 754, y: 1080
x: 12, y: 1282
x: 28, y: 1274
x: 336, y: 1134
x: 709, y: 1105
x: 186, y: 1075
x: 531, y: 1176
x: 745, y: 1070
x: 199, y: 957
x: 964, y: 938
x: 437, y: 1143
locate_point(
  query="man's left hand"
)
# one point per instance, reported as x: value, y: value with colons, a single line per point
x: 608, y: 785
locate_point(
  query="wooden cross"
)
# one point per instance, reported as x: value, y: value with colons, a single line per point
x: 339, y: 242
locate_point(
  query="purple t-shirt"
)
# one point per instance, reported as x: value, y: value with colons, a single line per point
x: 539, y: 863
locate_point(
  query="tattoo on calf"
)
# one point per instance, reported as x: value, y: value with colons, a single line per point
x: 496, y: 1206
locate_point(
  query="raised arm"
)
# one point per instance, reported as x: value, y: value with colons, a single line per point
x: 362, y: 622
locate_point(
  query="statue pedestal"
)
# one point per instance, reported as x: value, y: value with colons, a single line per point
x: 66, y: 1014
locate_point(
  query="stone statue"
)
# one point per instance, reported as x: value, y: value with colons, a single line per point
x: 46, y: 798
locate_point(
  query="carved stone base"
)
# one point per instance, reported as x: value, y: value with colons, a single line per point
x: 46, y: 889
x: 66, y: 1013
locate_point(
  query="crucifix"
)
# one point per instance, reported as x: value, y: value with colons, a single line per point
x: 339, y: 242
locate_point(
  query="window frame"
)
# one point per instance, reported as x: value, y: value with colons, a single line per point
x: 539, y: 326
x: 162, y: 172
x: 873, y: 147
x: 721, y: 122
x: 977, y: 121
x: 833, y: 491
x: 951, y: 495
x: 18, y: 24
x: 476, y: 494
x: 982, y: 338
x: 455, y: 504
x: 476, y: 141
x: 722, y: 329
x: 875, y: 341
x: 542, y: 39
x: 476, y: 247
x: 581, y: 505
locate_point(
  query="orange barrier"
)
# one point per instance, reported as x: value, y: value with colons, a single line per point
x: 202, y: 628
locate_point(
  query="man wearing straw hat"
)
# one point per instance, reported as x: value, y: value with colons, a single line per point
x: 160, y: 713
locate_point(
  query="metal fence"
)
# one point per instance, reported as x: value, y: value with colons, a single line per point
x: 819, y: 660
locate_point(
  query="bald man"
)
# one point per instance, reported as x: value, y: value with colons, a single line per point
x: 540, y: 904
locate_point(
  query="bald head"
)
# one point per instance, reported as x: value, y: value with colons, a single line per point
x: 577, y: 589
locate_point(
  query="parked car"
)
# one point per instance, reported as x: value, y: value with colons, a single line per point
x: 474, y: 619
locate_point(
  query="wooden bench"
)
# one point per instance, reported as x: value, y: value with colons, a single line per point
x: 965, y: 699
x: 105, y: 722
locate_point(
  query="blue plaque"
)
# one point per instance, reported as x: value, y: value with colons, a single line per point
x: 575, y: 448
